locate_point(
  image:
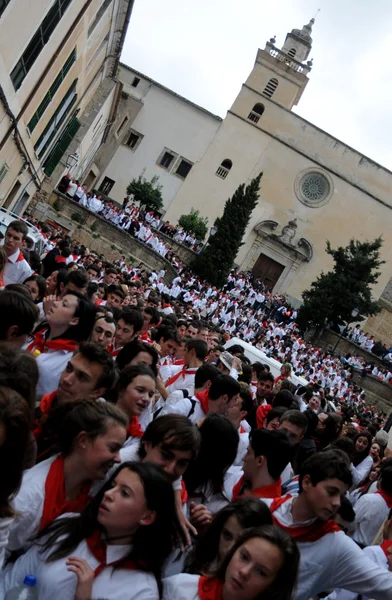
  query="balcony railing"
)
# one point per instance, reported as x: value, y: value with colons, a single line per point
x: 290, y: 62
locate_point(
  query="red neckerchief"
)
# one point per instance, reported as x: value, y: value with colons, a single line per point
x: 179, y: 362
x: 98, y: 547
x: 386, y: 497
x: 210, y: 588
x: 46, y: 403
x: 242, y: 430
x: 112, y: 351
x: 134, y: 428
x: 268, y: 491
x: 55, y: 502
x: 203, y: 398
x: 184, y: 493
x: 385, y: 546
x: 184, y: 371
x: 19, y: 259
x: 261, y: 414
x: 60, y: 259
x: 308, y: 533
x: 40, y: 343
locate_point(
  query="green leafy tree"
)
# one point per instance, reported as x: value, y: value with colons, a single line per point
x: 216, y: 260
x: 147, y: 192
x: 194, y: 223
x: 334, y: 295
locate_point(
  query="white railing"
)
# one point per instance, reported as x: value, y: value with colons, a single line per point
x: 290, y: 62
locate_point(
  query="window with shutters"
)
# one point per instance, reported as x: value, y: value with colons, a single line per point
x: 61, y: 145
x: 52, y: 91
x: 38, y: 41
x: 292, y: 52
x: 270, y: 87
x: 3, y: 171
x: 56, y: 121
x: 256, y: 112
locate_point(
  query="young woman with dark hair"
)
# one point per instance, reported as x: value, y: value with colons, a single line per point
x: 135, y: 389
x: 37, y: 287
x: 89, y: 438
x: 68, y: 322
x: 362, y: 461
x: 263, y: 565
x: 206, y: 477
x: 226, y: 528
x: 114, y: 549
x: 15, y: 425
x: 136, y: 353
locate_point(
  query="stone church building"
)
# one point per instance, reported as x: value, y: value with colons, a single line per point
x: 314, y: 187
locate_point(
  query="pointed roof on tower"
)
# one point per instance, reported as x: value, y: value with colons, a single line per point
x: 304, y: 34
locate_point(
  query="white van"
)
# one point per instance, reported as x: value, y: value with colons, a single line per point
x: 256, y: 355
x: 6, y: 216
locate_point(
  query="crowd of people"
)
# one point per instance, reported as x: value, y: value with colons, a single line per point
x: 144, y: 456
x: 141, y: 224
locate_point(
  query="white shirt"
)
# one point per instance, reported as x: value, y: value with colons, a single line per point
x: 50, y: 365
x: 55, y: 581
x: 376, y: 554
x: 16, y: 271
x: 371, y: 510
x: 28, y: 505
x: 181, y: 587
x: 334, y: 561
x: 361, y: 471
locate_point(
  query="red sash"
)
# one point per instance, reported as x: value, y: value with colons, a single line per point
x: 309, y: 533
x: 98, y: 547
x: 134, y: 428
x: 268, y: 491
x: 184, y: 371
x: 40, y: 343
x: 210, y: 588
x: 55, y: 502
x: 203, y: 399
x: 387, y: 498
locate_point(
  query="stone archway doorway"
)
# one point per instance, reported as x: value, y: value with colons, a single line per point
x: 267, y: 270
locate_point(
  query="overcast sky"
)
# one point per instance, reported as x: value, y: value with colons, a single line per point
x: 204, y: 50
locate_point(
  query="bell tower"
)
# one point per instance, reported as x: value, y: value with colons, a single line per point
x: 281, y: 75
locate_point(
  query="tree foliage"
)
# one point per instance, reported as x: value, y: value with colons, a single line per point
x: 147, y: 192
x: 334, y: 295
x: 194, y: 223
x: 216, y: 260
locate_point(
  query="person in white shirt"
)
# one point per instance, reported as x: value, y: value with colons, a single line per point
x: 372, y: 509
x: 362, y: 461
x: 120, y: 542
x: 263, y: 563
x: 89, y: 438
x: 329, y: 558
x: 69, y: 321
x: 17, y: 269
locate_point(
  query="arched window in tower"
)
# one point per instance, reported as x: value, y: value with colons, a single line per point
x: 256, y: 112
x: 270, y: 87
x: 224, y: 168
x: 292, y: 52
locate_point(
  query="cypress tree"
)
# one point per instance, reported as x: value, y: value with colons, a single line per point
x: 216, y: 260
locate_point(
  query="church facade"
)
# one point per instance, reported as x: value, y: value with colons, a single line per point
x: 314, y: 187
